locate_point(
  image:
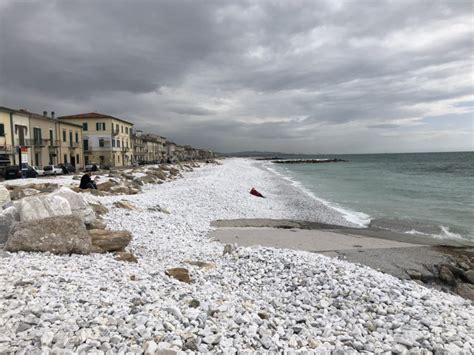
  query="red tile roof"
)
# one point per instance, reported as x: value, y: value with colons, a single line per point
x: 92, y: 115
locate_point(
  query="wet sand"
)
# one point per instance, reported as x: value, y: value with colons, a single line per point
x: 390, y: 252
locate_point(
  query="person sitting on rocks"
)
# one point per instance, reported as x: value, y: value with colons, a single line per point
x: 87, y: 183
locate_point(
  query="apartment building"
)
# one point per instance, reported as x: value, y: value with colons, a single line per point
x: 107, y: 140
x: 14, y: 133
x: 40, y: 140
x: 154, y: 147
x: 139, y: 147
x: 170, y: 150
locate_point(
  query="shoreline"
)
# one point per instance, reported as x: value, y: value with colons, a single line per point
x: 250, y: 298
x: 430, y: 229
x: 402, y: 256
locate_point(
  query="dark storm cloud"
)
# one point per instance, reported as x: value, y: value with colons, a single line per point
x: 247, y: 74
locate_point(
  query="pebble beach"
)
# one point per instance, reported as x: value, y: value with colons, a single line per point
x: 238, y: 299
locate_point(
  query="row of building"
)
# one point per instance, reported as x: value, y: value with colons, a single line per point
x: 42, y: 139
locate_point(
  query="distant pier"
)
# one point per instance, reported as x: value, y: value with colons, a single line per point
x: 307, y: 161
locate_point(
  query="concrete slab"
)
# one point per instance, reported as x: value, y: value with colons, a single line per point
x: 303, y: 239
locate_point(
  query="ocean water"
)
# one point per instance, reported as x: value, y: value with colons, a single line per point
x: 417, y: 193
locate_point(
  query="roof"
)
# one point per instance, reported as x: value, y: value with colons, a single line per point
x: 35, y: 115
x: 91, y: 115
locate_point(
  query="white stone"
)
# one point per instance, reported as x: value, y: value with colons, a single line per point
x: 4, y: 195
x: 39, y: 207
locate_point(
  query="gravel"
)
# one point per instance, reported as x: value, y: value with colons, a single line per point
x: 252, y: 299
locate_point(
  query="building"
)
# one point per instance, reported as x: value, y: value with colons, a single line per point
x: 40, y: 140
x: 55, y: 141
x: 170, y: 150
x: 13, y: 133
x: 139, y: 149
x: 179, y: 152
x: 107, y: 140
x: 155, y: 150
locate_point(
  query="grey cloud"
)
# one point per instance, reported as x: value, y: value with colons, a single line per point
x: 231, y: 73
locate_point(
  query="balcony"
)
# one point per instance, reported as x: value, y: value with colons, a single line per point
x: 125, y: 149
x: 115, y: 132
x: 7, y: 149
x: 53, y: 143
x: 73, y: 145
x: 23, y: 142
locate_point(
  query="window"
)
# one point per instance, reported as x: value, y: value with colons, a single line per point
x: 121, y: 128
x: 113, y: 143
x: 126, y: 130
x: 127, y: 143
x: 2, y: 129
x: 77, y: 137
x: 64, y: 136
x: 118, y: 143
x: 100, y: 126
x: 70, y: 138
x: 101, y: 142
x: 51, y: 137
x: 117, y: 130
x: 86, y: 144
x: 65, y: 158
x: 37, y: 134
x: 84, y: 126
x: 77, y: 159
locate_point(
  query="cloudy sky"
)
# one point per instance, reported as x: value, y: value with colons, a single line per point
x: 294, y: 76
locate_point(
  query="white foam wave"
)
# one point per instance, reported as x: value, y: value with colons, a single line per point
x: 357, y: 218
x: 447, y: 234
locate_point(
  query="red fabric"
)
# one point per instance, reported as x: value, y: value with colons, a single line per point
x: 255, y: 192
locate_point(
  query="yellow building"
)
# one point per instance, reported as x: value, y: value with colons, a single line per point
x: 38, y: 139
x: 55, y: 142
x: 106, y: 139
x: 7, y: 147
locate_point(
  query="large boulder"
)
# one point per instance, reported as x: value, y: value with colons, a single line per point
x: 107, y: 240
x: 43, y: 206
x: 106, y: 186
x: 58, y: 235
x: 79, y: 206
x: 4, y: 195
x: 7, y: 219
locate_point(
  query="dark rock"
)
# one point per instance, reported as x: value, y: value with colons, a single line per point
x: 469, y: 276
x: 446, y: 275
x: 125, y: 256
x: 106, y: 240
x: 180, y: 274
x: 190, y: 344
x: 414, y: 274
x: 465, y: 290
x: 229, y: 249
x: 58, y: 235
x: 263, y: 315
x: 194, y: 303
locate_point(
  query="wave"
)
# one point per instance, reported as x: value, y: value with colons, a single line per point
x: 357, y: 218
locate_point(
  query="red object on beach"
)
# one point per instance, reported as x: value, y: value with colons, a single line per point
x: 256, y: 193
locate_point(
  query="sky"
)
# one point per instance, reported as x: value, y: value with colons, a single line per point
x: 292, y: 76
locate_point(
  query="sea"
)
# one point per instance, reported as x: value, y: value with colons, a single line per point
x: 430, y: 194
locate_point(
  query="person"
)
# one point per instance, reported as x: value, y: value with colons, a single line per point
x: 86, y: 182
x: 94, y: 167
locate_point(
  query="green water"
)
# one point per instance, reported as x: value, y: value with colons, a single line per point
x: 429, y: 193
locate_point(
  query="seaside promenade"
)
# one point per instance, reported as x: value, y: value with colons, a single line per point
x: 187, y: 292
